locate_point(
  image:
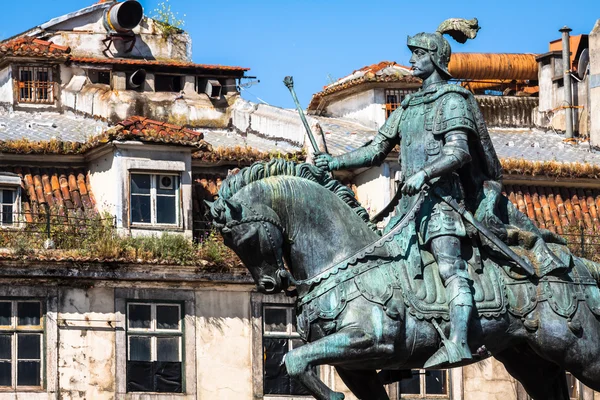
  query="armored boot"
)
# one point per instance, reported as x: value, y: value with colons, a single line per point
x: 460, y: 304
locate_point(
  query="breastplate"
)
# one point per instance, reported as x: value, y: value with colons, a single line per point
x: 418, y: 144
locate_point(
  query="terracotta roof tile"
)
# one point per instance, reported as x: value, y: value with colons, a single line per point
x: 31, y: 47
x: 155, y: 63
x: 559, y: 209
x: 50, y: 186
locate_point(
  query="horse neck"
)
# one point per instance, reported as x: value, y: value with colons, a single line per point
x: 322, y: 228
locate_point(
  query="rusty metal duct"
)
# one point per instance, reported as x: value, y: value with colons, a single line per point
x: 123, y: 17
x: 493, y: 66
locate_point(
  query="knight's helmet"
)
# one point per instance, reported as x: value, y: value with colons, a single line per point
x: 437, y: 45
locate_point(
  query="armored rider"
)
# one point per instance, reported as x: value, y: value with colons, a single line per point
x: 437, y: 129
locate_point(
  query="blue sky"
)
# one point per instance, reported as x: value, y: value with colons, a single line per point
x: 316, y: 41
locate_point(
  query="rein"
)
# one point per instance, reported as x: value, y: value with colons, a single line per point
x: 334, y: 269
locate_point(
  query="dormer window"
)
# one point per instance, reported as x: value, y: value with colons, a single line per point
x: 35, y: 85
x: 9, y: 198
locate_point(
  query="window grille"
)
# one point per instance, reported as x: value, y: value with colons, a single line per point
x: 393, y: 99
x: 21, y: 341
x: 154, y: 347
x: 35, y: 85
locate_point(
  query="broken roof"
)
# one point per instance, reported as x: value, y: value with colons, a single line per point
x: 31, y: 47
x: 24, y: 133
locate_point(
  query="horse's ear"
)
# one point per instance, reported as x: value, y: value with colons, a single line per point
x: 234, y: 209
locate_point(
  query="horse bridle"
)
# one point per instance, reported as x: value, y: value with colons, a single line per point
x: 282, y: 271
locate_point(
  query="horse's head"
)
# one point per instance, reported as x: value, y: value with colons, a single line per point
x: 256, y: 235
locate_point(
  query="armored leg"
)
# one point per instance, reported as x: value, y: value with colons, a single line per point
x: 453, y: 271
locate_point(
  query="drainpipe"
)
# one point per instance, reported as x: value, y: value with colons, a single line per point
x: 568, y: 103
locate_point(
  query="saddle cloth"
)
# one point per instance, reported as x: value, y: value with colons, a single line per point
x: 388, y: 284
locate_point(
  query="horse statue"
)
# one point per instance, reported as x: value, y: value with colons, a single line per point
x: 298, y: 230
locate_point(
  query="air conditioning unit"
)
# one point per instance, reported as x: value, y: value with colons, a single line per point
x: 166, y: 182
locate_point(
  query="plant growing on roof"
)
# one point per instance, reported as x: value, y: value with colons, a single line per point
x: 168, y: 21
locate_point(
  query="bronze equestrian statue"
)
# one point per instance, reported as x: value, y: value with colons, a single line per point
x: 458, y: 271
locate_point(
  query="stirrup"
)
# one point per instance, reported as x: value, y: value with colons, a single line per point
x: 448, y: 356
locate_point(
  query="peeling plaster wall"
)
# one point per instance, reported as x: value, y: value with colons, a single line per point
x: 366, y: 107
x: 84, y: 34
x: 6, y: 85
x: 86, y: 365
x: 116, y: 105
x: 272, y: 122
x: 594, y: 84
x: 223, y: 345
x: 488, y: 380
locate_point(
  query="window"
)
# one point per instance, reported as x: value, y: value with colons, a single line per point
x: 393, y: 98
x: 154, y: 347
x: 154, y: 199
x: 99, y: 76
x: 35, y: 85
x: 167, y: 83
x: 431, y: 384
x: 279, y: 337
x: 21, y: 339
x: 7, y: 204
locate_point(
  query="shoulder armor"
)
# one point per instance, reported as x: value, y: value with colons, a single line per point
x: 390, y: 128
x: 453, y: 112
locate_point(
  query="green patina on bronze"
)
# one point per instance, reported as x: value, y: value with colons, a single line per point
x: 456, y: 275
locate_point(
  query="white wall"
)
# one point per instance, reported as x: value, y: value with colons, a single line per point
x: 6, y: 86
x: 595, y: 84
x: 84, y: 34
x: 109, y: 176
x: 223, y: 344
x: 367, y: 107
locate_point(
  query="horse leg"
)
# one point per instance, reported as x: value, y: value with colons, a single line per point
x: 365, y: 384
x: 542, y: 379
x: 342, y: 347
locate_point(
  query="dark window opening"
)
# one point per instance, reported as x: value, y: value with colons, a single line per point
x: 167, y: 83
x: 99, y: 76
x: 279, y: 337
x: 154, y: 348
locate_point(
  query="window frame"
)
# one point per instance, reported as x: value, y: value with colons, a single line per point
x: 154, y: 176
x: 186, y: 300
x: 14, y: 330
x: 35, y: 87
x: 153, y: 331
x: 422, y: 387
x: 258, y: 301
x: 15, y: 206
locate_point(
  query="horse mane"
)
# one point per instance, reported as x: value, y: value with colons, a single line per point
x: 279, y: 167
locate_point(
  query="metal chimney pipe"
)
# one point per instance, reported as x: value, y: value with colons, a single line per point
x: 566, y: 56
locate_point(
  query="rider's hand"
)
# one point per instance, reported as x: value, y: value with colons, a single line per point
x: 414, y: 183
x: 324, y: 161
